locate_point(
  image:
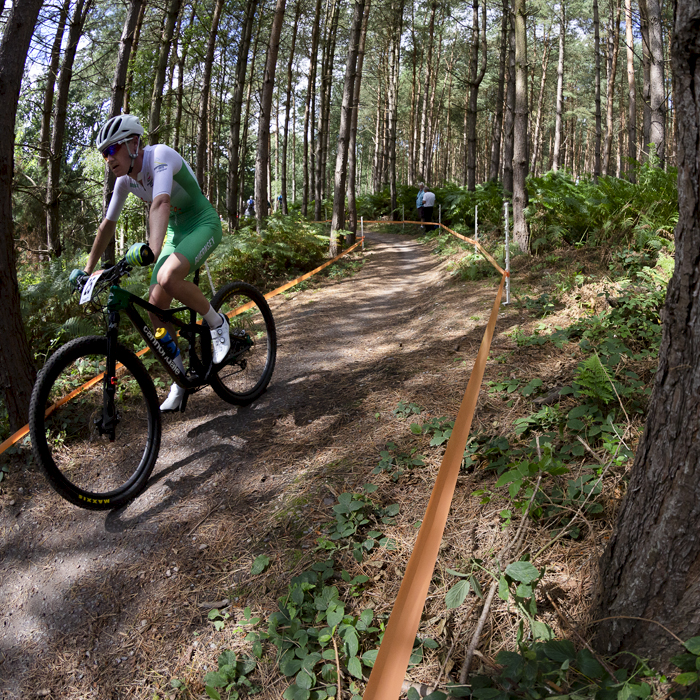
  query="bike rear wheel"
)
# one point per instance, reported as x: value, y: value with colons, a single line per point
x: 244, y: 376
x: 82, y: 465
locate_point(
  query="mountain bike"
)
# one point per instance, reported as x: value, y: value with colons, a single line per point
x: 94, y: 415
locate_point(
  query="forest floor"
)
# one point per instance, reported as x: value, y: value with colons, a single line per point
x: 116, y: 606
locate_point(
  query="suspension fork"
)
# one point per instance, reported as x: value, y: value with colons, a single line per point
x: 109, y: 420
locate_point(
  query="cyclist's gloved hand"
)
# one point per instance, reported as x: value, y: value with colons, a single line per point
x: 77, y: 279
x: 139, y: 255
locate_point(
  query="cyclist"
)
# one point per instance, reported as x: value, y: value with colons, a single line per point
x: 184, y: 226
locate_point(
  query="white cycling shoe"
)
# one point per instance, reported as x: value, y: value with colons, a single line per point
x: 174, y: 400
x: 221, y: 340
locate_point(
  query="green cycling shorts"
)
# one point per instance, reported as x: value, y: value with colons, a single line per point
x: 194, y: 237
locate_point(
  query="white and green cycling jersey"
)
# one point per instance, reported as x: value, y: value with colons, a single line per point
x: 194, y: 228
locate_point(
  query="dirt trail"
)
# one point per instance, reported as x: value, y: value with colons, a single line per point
x: 103, y: 606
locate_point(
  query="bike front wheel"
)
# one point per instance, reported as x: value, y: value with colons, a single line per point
x: 81, y: 462
x: 247, y: 371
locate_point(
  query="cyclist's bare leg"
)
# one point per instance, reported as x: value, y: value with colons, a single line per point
x: 172, y: 282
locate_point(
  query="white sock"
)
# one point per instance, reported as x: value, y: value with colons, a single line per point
x: 212, y: 317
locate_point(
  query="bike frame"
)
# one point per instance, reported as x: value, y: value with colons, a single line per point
x: 122, y: 300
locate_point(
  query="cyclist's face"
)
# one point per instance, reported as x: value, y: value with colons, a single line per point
x: 117, y: 157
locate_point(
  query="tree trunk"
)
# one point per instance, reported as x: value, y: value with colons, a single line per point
x: 560, y: 90
x: 598, y: 119
x: 325, y: 106
x: 476, y: 75
x: 135, y: 23
x: 650, y: 567
x: 287, y: 107
x: 341, y: 161
x: 632, y: 92
x: 127, y: 46
x: 510, y: 116
x: 427, y: 82
x: 53, y: 232
x: 236, y: 107
x: 352, y: 145
x: 180, y: 82
x: 17, y: 372
x: 262, y: 157
x: 308, y: 113
x: 246, y: 119
x: 540, y: 102
x: 393, y: 97
x: 646, y: 80
x: 203, y: 131
x: 657, y: 97
x: 166, y: 39
x: 613, y: 49
x: 520, y: 231
x: 51, y: 74
x: 495, y: 163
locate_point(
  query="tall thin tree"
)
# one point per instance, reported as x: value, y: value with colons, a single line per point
x: 17, y: 372
x: 263, y: 152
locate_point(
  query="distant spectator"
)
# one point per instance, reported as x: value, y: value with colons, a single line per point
x: 428, y: 204
x: 419, y: 202
x: 250, y: 208
x: 279, y: 202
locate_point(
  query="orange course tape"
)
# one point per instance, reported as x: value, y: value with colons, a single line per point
x: 395, y: 651
x: 16, y: 437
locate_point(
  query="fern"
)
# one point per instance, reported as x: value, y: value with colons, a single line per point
x: 592, y: 380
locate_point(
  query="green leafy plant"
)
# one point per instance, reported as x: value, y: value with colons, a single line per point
x: 395, y: 463
x: 405, y: 409
x: 231, y: 677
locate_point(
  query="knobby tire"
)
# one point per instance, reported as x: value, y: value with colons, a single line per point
x: 83, y: 466
x: 243, y: 379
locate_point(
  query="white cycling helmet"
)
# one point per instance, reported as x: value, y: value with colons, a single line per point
x: 117, y: 129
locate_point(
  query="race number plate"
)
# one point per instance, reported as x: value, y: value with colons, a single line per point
x: 90, y: 286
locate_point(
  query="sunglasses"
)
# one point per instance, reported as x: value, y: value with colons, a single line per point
x: 111, y: 150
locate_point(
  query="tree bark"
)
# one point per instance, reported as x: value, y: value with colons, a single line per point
x: 51, y: 73
x: 646, y: 80
x: 393, y: 98
x: 422, y: 156
x: 166, y: 39
x: 287, y: 107
x: 53, y: 233
x: 560, y: 90
x: 510, y: 116
x: 133, y: 40
x: 476, y: 75
x: 17, y: 372
x: 613, y: 49
x: 495, y: 163
x: 236, y: 108
x: 540, y: 102
x: 203, y: 131
x: 598, y: 119
x: 119, y: 95
x: 657, y: 97
x: 308, y: 113
x: 650, y: 566
x: 352, y: 145
x: 520, y: 230
x: 341, y: 160
x: 632, y: 95
x: 263, y: 152
x: 323, y: 130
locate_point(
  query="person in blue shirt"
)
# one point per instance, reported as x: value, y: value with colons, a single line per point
x: 419, y: 202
